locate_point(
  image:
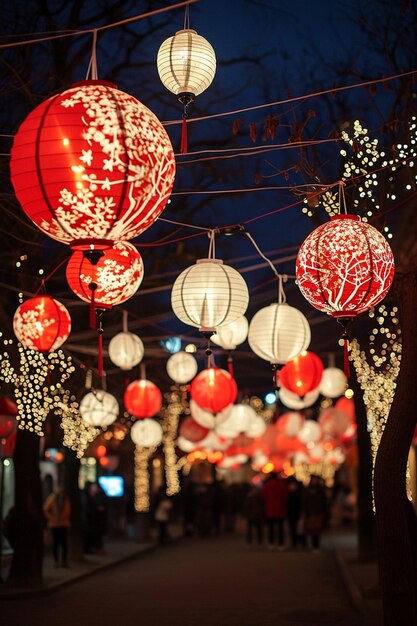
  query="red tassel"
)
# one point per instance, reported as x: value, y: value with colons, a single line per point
x: 230, y: 367
x: 184, y: 139
x: 93, y: 288
x: 346, y: 357
x: 100, y: 353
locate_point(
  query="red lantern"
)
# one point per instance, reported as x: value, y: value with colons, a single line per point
x: 42, y: 323
x: 192, y: 431
x: 213, y: 389
x: 6, y: 426
x: 92, y: 165
x: 345, y: 267
x: 114, y: 279
x: 302, y: 374
x: 142, y: 399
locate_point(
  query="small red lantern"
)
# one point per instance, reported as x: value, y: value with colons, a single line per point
x: 42, y: 323
x: 92, y: 165
x: 302, y: 374
x: 213, y: 389
x: 192, y: 431
x: 142, y: 398
x: 114, y: 279
x: 7, y: 425
x: 345, y: 267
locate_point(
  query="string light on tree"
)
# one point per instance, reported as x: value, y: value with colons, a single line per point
x: 142, y: 456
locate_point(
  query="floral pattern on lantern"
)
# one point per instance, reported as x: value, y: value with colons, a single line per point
x: 182, y: 367
x: 126, y: 350
x: 142, y: 398
x: 302, y: 374
x: 213, y: 389
x: 116, y: 276
x: 99, y: 408
x: 146, y: 433
x: 345, y: 267
x: 42, y: 323
x: 92, y: 163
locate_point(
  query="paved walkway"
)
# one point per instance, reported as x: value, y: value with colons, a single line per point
x: 216, y: 581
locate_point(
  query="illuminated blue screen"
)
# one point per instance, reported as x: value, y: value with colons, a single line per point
x: 113, y: 486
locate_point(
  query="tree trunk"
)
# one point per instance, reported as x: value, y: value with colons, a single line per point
x: 396, y: 520
x: 366, y: 517
x: 26, y: 566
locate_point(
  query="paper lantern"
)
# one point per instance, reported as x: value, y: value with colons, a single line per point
x: 231, y: 335
x: 333, y: 382
x: 213, y: 389
x: 126, y: 350
x: 290, y: 424
x: 7, y: 425
x: 213, y: 442
x: 302, y: 374
x: 42, y: 323
x: 316, y: 453
x: 99, y: 408
x: 209, y: 294
x: 142, y: 398
x: 347, y: 405
x: 185, y: 445
x: 237, y: 422
x: 278, y: 333
x: 192, y: 431
x: 114, y: 278
x: 334, y: 422
x: 257, y: 426
x: 206, y: 418
x: 345, y: 267
x: 146, y: 433
x: 182, y: 367
x: 92, y: 165
x: 310, y: 433
x: 293, y: 401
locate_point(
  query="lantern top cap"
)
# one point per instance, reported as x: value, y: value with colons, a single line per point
x: 345, y: 216
x: 186, y: 30
x: 90, y: 82
x: 210, y: 261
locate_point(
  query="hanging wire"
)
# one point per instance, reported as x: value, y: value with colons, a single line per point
x: 212, y: 246
x: 187, y: 18
x: 342, y: 198
x: 124, y: 323
x: 257, y: 248
x: 163, y: 219
x: 282, y: 298
x: 92, y: 66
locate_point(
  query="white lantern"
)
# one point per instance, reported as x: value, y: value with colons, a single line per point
x: 279, y: 333
x: 290, y: 423
x: 186, y: 63
x: 182, y: 367
x: 292, y: 401
x: 126, y: 350
x: 237, y: 422
x: 185, y: 445
x: 310, y: 433
x: 146, y: 433
x: 333, y: 382
x: 231, y: 335
x: 212, y: 442
x: 209, y: 294
x: 99, y: 408
x: 257, y: 426
x: 316, y: 452
x: 207, y: 419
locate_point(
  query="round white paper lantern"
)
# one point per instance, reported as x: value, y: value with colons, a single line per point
x: 237, y: 422
x: 333, y: 382
x: 310, y: 433
x: 126, y: 350
x: 212, y: 442
x: 185, y: 445
x: 99, y: 408
x: 182, y: 367
x: 207, y: 419
x: 231, y: 335
x: 209, y: 294
x: 292, y: 401
x: 279, y: 333
x: 257, y: 426
x: 186, y: 63
x: 290, y: 423
x: 146, y: 433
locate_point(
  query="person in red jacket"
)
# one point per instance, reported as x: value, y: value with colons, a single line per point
x: 275, y: 493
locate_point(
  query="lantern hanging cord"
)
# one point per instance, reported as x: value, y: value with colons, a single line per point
x: 342, y: 197
x: 282, y: 298
x: 92, y: 66
x: 163, y: 219
x: 187, y: 18
x: 124, y: 322
x: 257, y: 248
x: 212, y: 246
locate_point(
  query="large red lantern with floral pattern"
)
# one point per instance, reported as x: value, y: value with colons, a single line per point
x: 142, y: 398
x: 345, y: 267
x: 213, y: 389
x: 42, y: 323
x: 92, y: 165
x: 114, y: 279
x: 302, y: 374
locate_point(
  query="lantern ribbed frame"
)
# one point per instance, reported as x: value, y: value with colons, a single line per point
x: 279, y: 333
x: 42, y: 323
x: 302, y: 374
x: 213, y: 389
x: 99, y: 408
x: 92, y: 165
x: 209, y: 294
x: 142, y: 398
x: 181, y: 367
x: 118, y: 274
x: 186, y: 63
x: 231, y: 335
x: 146, y: 433
x: 345, y: 267
x: 126, y: 350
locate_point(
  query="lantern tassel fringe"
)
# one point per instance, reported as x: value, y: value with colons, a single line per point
x: 184, y: 138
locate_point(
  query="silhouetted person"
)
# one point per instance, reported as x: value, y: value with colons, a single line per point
x: 57, y: 510
x: 316, y: 510
x: 295, y: 512
x: 94, y: 518
x: 254, y: 510
x: 163, y: 508
x: 275, y: 493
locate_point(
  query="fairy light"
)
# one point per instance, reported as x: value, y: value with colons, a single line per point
x: 142, y: 456
x: 175, y: 404
x: 35, y: 396
x: 77, y: 433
